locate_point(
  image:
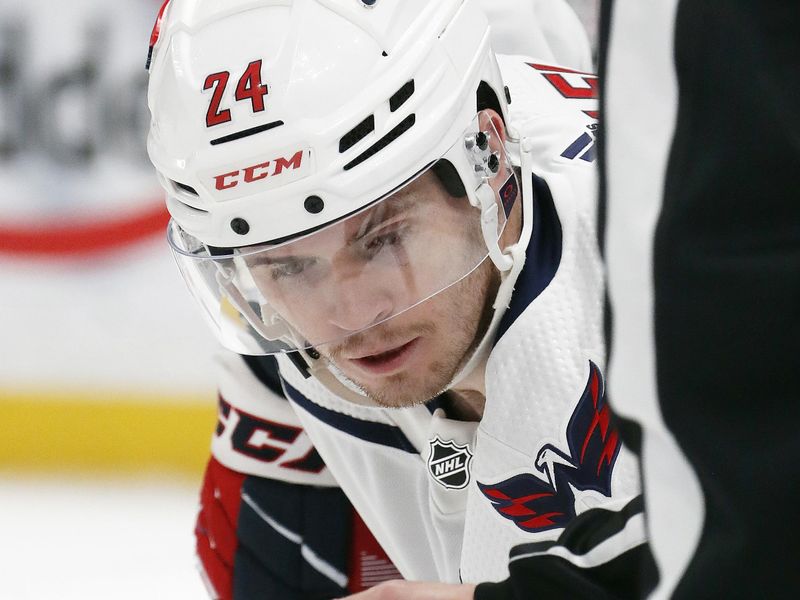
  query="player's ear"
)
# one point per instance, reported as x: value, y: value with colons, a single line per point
x: 490, y: 121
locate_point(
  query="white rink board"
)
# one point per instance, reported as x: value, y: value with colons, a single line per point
x: 125, y: 322
x: 73, y: 121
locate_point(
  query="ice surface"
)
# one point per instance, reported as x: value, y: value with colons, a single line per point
x: 115, y: 539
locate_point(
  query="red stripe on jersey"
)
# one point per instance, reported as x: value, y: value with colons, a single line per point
x: 215, y: 531
x: 368, y: 564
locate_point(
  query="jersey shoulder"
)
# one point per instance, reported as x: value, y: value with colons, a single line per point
x: 554, y: 107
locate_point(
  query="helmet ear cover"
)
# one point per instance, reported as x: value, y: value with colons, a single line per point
x: 448, y: 176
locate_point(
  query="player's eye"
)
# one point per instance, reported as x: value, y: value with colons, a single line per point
x: 376, y: 243
x: 388, y: 236
x: 290, y: 268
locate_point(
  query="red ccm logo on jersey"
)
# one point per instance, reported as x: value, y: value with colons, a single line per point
x: 267, y: 441
x: 259, y: 171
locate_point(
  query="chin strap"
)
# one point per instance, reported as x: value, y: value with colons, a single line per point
x: 322, y: 370
x: 514, y: 256
x: 487, y: 200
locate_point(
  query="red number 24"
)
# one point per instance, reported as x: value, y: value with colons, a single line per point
x: 248, y: 88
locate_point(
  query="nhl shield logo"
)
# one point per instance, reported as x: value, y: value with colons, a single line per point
x: 449, y: 463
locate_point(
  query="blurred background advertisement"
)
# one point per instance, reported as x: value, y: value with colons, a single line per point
x: 107, y: 399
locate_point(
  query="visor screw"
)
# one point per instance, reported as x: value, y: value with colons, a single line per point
x: 240, y: 226
x: 314, y: 204
x: 312, y: 353
x: 369, y: 3
x: 493, y: 163
x: 482, y: 140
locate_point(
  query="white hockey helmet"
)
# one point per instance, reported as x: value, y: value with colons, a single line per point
x: 287, y: 132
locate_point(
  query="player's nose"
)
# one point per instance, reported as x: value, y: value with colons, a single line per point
x: 356, y: 306
x: 361, y: 294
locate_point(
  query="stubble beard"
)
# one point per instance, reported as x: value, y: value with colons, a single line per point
x: 467, y: 310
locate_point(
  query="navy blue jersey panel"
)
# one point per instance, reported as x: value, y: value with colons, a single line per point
x: 369, y: 431
x: 434, y: 403
x: 265, y: 368
x: 543, y: 255
x: 293, y: 542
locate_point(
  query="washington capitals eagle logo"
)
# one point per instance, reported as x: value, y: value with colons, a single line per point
x: 536, y: 504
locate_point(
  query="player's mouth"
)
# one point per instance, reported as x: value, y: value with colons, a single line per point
x: 386, y: 361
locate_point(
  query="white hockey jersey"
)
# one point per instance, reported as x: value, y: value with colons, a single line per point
x: 449, y: 499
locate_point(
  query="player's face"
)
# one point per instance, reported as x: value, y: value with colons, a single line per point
x: 343, y: 283
x: 414, y: 356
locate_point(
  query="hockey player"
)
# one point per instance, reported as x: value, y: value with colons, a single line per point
x: 394, y: 229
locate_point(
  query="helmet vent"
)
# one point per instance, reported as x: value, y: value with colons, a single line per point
x: 188, y: 207
x: 186, y: 188
x: 401, y: 95
x: 357, y: 133
x: 395, y: 133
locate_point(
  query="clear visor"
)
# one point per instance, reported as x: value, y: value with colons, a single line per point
x: 360, y: 271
